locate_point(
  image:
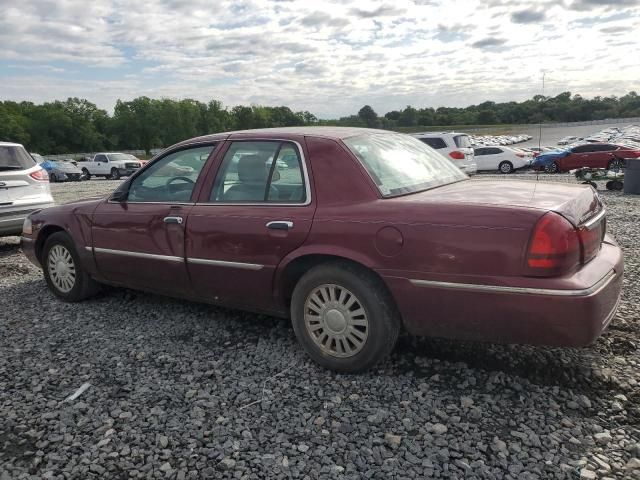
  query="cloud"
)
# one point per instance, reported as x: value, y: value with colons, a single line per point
x: 590, y: 4
x: 528, y: 16
x: 381, y: 11
x: 317, y: 19
x: 489, y: 42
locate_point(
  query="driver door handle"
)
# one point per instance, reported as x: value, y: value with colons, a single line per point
x: 176, y: 220
x: 280, y: 225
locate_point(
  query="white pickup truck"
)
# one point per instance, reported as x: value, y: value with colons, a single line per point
x: 109, y: 165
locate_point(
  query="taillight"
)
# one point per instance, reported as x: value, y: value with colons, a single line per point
x: 554, y: 247
x: 41, y: 175
x: 456, y: 155
x: 521, y: 155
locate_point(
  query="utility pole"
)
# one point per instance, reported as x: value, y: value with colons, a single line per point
x: 540, y: 133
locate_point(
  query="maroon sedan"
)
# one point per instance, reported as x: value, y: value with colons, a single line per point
x: 352, y: 233
x: 592, y: 155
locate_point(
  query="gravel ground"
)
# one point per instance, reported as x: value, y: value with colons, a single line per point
x: 182, y: 390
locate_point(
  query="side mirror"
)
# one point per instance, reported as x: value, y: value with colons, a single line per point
x: 119, y: 196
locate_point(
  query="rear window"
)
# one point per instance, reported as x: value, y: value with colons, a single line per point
x: 436, y: 143
x: 15, y: 158
x: 462, y: 141
x: 400, y: 164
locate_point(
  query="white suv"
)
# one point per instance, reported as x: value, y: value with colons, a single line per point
x: 454, y: 146
x: 24, y: 187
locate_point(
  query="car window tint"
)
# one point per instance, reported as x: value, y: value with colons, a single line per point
x: 584, y: 149
x: 480, y: 151
x: 15, y: 158
x: 170, y: 178
x: 249, y: 175
x: 462, y: 141
x: 436, y: 143
x: 493, y: 151
x: 606, y: 148
x: 99, y: 158
x: 287, y: 182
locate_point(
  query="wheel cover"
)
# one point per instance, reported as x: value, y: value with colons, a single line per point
x: 62, y: 269
x: 336, y: 321
x: 505, y: 168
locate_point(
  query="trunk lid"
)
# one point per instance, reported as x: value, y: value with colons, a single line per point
x: 577, y: 203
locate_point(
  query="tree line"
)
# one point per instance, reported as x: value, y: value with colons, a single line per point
x: 77, y: 125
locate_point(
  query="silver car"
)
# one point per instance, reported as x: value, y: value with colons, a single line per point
x: 24, y: 187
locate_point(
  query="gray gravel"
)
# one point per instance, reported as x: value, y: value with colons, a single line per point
x: 182, y: 390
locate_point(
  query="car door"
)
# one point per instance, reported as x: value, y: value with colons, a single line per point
x: 138, y: 235
x: 100, y: 165
x: 578, y: 157
x: 481, y: 155
x: 258, y: 209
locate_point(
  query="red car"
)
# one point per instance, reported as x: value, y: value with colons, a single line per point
x: 593, y: 155
x: 356, y: 235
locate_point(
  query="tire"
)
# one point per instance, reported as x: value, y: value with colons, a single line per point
x: 63, y: 271
x: 53, y: 178
x: 85, y: 174
x: 615, y: 185
x: 505, y: 167
x: 552, y: 168
x: 371, y: 321
x: 115, y: 174
x: 616, y: 164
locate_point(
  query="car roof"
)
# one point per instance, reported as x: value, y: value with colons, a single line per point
x: 325, y: 132
x: 10, y: 144
x: 436, y: 134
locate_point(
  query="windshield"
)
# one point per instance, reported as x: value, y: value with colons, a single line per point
x: 401, y: 164
x: 462, y: 141
x: 15, y: 157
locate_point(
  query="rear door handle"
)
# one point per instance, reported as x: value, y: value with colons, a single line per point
x: 280, y: 225
x: 176, y: 220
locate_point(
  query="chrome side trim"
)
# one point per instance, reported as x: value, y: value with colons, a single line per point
x: 90, y: 249
x: 593, y: 220
x: 612, y: 313
x: 126, y: 253
x: 518, y: 290
x: 223, y: 263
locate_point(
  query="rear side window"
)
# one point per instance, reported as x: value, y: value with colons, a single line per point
x: 436, y: 143
x: 260, y: 172
x: 462, y: 141
x: 13, y: 157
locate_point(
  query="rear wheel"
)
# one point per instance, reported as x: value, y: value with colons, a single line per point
x: 616, y: 164
x: 505, y: 167
x: 615, y: 185
x: 53, y: 178
x: 85, y: 174
x: 115, y: 174
x: 344, y: 317
x: 63, y: 272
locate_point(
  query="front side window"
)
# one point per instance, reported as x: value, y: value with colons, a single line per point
x: 401, y: 164
x: 260, y: 171
x: 171, y: 178
x: 100, y: 158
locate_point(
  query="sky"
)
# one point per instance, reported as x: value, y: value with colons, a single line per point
x: 327, y: 57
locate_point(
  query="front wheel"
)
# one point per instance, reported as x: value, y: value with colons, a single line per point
x: 63, y: 272
x: 344, y: 317
x: 505, y: 167
x: 115, y: 174
x: 85, y: 174
x: 552, y: 168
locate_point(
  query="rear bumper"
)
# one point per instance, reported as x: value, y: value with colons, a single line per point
x: 125, y: 172
x: 573, y: 316
x: 11, y: 222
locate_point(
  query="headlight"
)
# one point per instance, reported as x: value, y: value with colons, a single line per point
x: 27, y: 228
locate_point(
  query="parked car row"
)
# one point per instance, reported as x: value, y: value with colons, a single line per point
x: 490, y: 140
x: 109, y: 165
